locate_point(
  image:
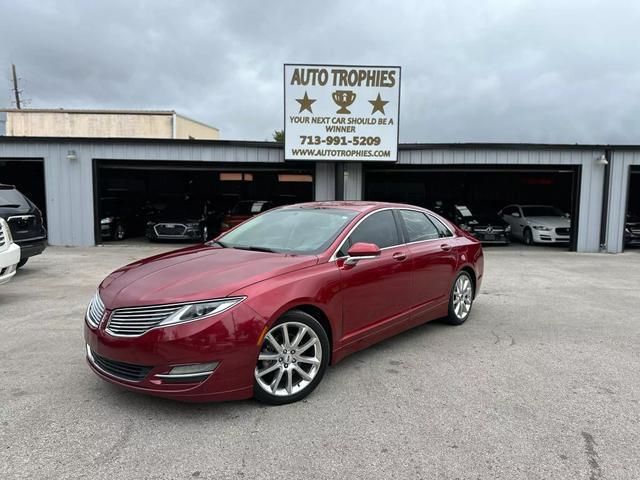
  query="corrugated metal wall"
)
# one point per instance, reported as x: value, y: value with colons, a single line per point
x: 621, y: 162
x: 69, y: 183
x: 591, y: 181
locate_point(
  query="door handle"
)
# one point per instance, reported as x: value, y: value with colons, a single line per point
x: 399, y: 256
x: 446, y: 247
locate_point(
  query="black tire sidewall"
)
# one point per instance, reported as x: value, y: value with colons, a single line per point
x: 308, y: 320
x: 528, y: 237
x: 451, y: 317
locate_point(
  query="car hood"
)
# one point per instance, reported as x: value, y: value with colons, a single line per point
x: 553, y: 222
x: 194, y: 273
x: 168, y: 218
x: 487, y: 219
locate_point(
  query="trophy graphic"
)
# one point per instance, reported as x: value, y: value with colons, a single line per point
x: 343, y: 99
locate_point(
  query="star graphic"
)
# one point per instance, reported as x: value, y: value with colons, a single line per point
x: 378, y: 105
x: 305, y: 103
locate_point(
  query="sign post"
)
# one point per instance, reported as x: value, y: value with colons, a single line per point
x: 339, y: 113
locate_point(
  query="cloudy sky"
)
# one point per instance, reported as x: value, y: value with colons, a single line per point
x: 488, y: 71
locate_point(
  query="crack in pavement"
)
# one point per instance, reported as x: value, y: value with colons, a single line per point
x: 595, y: 472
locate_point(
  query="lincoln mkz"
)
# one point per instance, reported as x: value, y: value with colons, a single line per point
x: 264, y: 309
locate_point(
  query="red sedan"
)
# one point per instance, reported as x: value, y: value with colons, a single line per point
x: 265, y: 308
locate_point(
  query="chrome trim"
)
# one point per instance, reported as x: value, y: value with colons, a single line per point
x: 155, y: 229
x: 93, y: 316
x: 334, y: 256
x: 184, y: 375
x: 140, y: 321
x: 21, y: 217
x: 355, y: 260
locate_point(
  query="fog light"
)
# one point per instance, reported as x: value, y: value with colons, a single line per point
x: 198, y: 368
x: 196, y: 371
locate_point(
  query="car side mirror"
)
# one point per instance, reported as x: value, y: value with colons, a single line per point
x: 362, y: 251
x: 515, y: 214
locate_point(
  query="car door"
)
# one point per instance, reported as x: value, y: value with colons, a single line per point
x: 377, y: 289
x: 516, y: 222
x: 433, y: 256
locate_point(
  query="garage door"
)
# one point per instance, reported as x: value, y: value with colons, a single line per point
x: 483, y: 190
x: 133, y: 190
x: 28, y: 177
x: 632, y: 218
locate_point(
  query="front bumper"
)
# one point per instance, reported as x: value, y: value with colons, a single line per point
x: 8, y: 261
x: 488, y: 238
x: 30, y: 247
x: 231, y: 339
x: 551, y: 236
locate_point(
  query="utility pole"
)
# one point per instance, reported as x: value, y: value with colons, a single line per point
x: 16, y: 91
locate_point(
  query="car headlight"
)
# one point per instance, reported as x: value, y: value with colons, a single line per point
x: 507, y: 228
x: 7, y: 231
x: 150, y: 224
x: 465, y: 227
x: 542, y: 228
x: 197, y: 311
x: 106, y: 220
x: 225, y: 225
x: 193, y: 226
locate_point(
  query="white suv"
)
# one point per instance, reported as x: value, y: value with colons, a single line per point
x: 9, y: 253
x: 537, y: 223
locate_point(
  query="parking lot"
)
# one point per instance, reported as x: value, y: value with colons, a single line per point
x: 541, y: 382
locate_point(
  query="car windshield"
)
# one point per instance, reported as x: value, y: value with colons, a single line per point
x: 542, y: 211
x: 303, y: 231
x: 10, y: 197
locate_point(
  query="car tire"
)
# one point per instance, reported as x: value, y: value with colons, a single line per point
x: 277, y: 376
x: 527, y: 237
x: 460, y: 299
x: 21, y: 263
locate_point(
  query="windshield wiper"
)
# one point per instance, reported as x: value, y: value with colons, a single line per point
x: 10, y: 205
x: 254, y: 249
x: 223, y: 245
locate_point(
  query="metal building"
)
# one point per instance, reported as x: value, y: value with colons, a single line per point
x: 596, y: 183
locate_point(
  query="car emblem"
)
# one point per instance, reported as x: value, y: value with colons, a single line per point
x: 489, y: 229
x: 170, y: 225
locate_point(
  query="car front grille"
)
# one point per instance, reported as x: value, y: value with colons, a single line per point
x: 2, y: 240
x: 170, y: 229
x: 95, y: 311
x: 125, y: 371
x: 133, y: 322
x: 20, y: 223
x: 489, y: 230
x: 562, y: 231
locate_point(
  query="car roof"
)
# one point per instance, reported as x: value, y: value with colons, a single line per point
x: 359, y: 206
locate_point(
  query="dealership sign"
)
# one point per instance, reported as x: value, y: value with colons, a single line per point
x: 337, y: 113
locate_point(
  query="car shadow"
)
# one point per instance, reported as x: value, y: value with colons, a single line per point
x: 141, y: 403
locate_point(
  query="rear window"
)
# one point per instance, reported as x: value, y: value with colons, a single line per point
x: 10, y: 197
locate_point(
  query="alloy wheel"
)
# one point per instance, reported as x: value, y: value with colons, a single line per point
x: 289, y: 359
x: 462, y: 297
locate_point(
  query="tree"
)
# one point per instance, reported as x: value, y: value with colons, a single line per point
x: 278, y: 136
